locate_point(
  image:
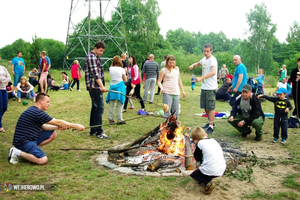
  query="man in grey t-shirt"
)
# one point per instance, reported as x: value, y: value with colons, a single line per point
x: 151, y: 70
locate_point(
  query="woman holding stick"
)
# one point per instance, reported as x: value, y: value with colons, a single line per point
x: 135, y: 82
x: 170, y: 75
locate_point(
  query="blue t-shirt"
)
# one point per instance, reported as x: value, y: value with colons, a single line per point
x: 29, y: 125
x: 18, y: 69
x: 240, y: 69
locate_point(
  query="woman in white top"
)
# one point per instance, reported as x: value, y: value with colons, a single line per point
x: 117, y: 83
x: 170, y: 76
x: 4, y: 79
x: 25, y: 89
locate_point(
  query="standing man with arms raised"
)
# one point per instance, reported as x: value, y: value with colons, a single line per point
x: 93, y: 74
x: 151, y: 70
x: 209, y: 85
x: 18, y: 68
x: 239, y: 78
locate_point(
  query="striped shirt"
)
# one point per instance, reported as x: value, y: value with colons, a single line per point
x: 29, y: 125
x: 93, y: 70
x: 150, y: 69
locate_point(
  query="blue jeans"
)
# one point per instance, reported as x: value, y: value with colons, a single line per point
x: 280, y: 122
x: 97, y: 110
x: 21, y: 94
x: 223, y: 96
x: 3, y: 104
x: 17, y: 78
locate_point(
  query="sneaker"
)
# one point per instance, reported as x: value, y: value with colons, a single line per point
x: 131, y: 108
x: 111, y: 121
x: 257, y: 138
x: 275, y: 140
x: 13, y: 158
x: 102, y: 136
x: 71, y: 89
x: 209, y: 130
x: 283, y: 141
x: 121, y: 123
x: 156, y: 93
x: 247, y: 133
x: 209, y: 188
x: 78, y: 90
x: 207, y: 125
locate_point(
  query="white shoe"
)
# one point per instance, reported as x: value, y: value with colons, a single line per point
x: 78, y: 90
x: 13, y: 158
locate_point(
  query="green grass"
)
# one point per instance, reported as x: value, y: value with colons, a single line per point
x: 77, y: 174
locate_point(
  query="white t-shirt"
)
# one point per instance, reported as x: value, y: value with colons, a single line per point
x: 281, y: 84
x: 210, y: 83
x: 214, y: 163
x: 116, y: 74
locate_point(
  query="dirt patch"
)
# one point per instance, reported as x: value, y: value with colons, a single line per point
x: 268, y: 175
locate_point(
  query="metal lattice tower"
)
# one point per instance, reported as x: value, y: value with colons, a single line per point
x: 82, y: 35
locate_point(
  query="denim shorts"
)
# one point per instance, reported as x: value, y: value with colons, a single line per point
x: 31, y: 147
x: 208, y: 99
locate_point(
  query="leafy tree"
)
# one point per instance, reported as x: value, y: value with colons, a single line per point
x: 260, y: 42
x: 182, y: 38
x: 294, y: 34
x: 10, y: 51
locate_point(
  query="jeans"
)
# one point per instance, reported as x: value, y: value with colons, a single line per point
x: 76, y: 80
x: 3, y: 104
x: 280, y: 122
x: 17, y: 78
x: 173, y: 102
x: 21, y: 94
x: 97, y: 110
x: 223, y: 96
x: 201, y: 178
x: 257, y: 124
x: 149, y: 82
x: 233, y: 99
x: 137, y: 93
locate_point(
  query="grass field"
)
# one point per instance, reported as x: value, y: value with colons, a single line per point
x: 76, y: 173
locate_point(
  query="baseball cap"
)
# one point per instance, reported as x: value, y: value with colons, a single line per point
x: 281, y: 90
x: 247, y: 88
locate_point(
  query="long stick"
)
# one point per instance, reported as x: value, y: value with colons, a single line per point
x: 110, y: 150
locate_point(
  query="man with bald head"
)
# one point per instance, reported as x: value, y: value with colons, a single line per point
x: 151, y: 70
x: 239, y: 78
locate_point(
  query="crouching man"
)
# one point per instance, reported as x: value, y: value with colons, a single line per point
x: 247, y: 112
x: 209, y: 153
x: 34, y: 129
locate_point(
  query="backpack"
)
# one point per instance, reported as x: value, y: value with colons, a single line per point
x: 293, y: 122
x: 251, y: 82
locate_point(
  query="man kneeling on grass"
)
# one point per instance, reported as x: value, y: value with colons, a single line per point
x: 34, y: 129
x: 210, y: 154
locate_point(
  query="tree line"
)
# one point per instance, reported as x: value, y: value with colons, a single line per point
x: 260, y: 50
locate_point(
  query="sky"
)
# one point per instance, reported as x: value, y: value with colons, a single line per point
x: 49, y: 18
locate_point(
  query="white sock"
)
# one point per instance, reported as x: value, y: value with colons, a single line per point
x: 211, y: 126
x: 17, y: 151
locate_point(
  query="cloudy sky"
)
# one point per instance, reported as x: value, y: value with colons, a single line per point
x: 49, y: 18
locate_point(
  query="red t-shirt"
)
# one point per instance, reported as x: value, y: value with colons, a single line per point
x: 44, y: 61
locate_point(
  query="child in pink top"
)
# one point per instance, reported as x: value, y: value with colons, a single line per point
x: 76, y: 75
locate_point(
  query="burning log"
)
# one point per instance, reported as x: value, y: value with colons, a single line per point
x: 154, y: 166
x: 189, y: 165
x: 141, y: 139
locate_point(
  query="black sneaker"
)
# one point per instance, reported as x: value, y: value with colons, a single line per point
x: 121, y: 123
x: 102, y: 136
x: 257, y: 138
x: 156, y: 93
x: 93, y: 133
x: 207, y: 125
x: 247, y: 133
x: 209, y: 130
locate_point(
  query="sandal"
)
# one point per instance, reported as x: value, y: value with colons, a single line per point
x: 209, y: 187
x: 124, y: 111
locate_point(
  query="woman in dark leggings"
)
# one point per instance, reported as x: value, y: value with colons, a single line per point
x: 135, y: 82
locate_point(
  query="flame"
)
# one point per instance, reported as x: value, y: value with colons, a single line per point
x: 175, y: 145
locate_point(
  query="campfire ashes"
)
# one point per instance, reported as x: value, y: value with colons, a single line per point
x: 163, y: 151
